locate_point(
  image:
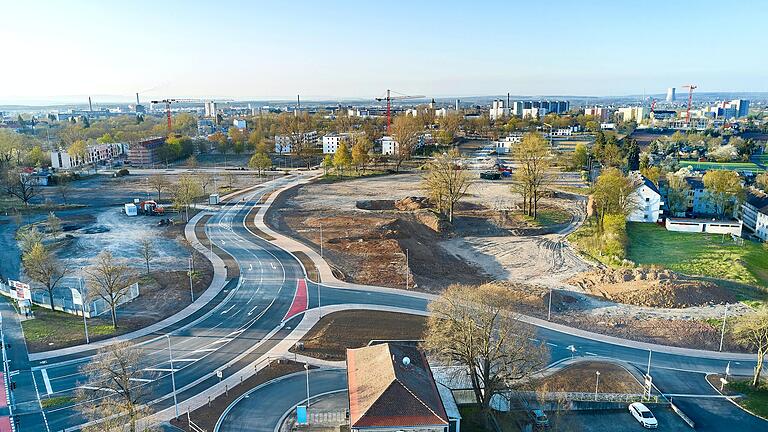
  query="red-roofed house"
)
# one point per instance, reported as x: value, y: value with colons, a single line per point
x: 391, y: 388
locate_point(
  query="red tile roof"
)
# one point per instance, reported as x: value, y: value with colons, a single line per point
x: 384, y: 391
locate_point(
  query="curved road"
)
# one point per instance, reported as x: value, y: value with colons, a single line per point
x: 228, y: 335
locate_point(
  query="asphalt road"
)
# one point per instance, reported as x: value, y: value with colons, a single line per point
x: 257, y: 304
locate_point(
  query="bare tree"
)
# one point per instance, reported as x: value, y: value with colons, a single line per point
x: 158, y: 183
x: 752, y: 330
x: 147, y: 251
x: 54, y: 225
x: 113, y: 392
x: 21, y: 186
x: 42, y: 266
x: 111, y: 280
x: 446, y: 182
x: 185, y: 192
x: 405, y: 130
x: 475, y: 328
x: 63, y: 187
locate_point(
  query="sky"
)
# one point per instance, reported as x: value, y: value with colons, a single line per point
x: 257, y: 50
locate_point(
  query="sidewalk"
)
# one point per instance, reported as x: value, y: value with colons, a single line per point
x: 217, y: 284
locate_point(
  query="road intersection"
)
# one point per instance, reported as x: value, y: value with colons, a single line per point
x: 247, y: 319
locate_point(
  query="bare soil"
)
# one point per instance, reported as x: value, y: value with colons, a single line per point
x: 334, y: 333
x: 652, y: 287
x: 581, y: 377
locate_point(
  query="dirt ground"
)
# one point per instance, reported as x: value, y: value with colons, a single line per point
x: 366, y: 235
x: 652, y: 287
x: 581, y: 377
x: 334, y: 333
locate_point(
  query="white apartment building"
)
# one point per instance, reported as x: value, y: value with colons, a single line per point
x: 636, y: 114
x: 647, y: 200
x: 284, y: 143
x: 754, y: 213
x: 534, y: 112
x: 96, y: 153
x: 211, y: 109
x: 239, y: 123
x: 332, y: 140
x: 601, y: 113
x: 505, y: 145
x: 498, y: 110
x: 388, y: 145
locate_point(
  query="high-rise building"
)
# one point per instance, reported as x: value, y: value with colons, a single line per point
x: 498, y: 110
x: 211, y: 109
x: 671, y: 94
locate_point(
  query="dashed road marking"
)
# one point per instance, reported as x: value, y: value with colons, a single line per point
x: 46, y: 381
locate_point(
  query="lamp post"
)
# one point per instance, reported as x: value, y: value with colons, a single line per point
x: 407, y: 269
x: 722, y: 329
x: 321, y: 240
x: 173, y: 375
x: 82, y: 305
x: 306, y: 368
x: 549, y: 309
x: 597, y: 382
x: 191, y: 288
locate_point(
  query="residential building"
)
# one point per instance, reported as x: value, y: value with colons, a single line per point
x: 636, y: 114
x: 96, y: 153
x: 388, y: 145
x: 498, y: 110
x: 331, y: 141
x: 671, y: 94
x: 145, y: 152
x: 239, y: 123
x: 391, y: 388
x: 505, y: 145
x: 754, y: 213
x: 647, y: 200
x: 534, y: 112
x: 557, y: 107
x: 602, y: 114
x: 211, y: 109
x: 285, y: 143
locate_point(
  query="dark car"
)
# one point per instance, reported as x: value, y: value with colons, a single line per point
x: 490, y: 175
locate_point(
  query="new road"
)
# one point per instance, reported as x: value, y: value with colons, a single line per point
x: 251, y: 315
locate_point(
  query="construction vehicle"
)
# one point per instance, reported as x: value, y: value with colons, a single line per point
x: 389, y: 100
x: 150, y: 208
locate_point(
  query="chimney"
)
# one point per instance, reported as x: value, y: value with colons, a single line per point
x: 137, y: 99
x: 90, y: 105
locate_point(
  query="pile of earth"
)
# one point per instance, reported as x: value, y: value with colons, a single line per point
x: 412, y: 203
x: 651, y: 287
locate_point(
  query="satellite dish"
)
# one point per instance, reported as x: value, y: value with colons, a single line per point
x: 406, y: 361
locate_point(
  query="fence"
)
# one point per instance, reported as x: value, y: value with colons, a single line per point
x: 62, y: 300
x: 512, y: 401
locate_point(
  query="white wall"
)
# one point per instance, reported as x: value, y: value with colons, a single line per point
x: 703, y: 225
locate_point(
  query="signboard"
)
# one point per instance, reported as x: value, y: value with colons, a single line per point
x: 301, y: 415
x: 19, y: 290
x: 648, y: 380
x: 77, y: 298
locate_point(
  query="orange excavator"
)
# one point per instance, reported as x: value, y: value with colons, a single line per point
x: 150, y: 208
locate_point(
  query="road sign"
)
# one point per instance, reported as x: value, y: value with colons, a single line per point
x: 77, y: 298
x: 301, y: 415
x: 648, y: 380
x: 219, y: 374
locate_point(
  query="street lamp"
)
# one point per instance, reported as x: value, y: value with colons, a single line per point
x: 82, y: 305
x: 173, y: 376
x: 549, y: 309
x: 407, y: 269
x: 321, y: 240
x: 722, y: 330
x: 597, y: 383
x: 306, y: 368
x: 191, y: 289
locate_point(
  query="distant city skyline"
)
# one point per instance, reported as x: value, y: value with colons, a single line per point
x: 64, y: 52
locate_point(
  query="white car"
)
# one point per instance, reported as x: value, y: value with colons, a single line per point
x: 642, y: 414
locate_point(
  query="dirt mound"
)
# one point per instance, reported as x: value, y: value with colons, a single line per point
x: 412, y: 203
x: 375, y: 204
x: 651, y: 287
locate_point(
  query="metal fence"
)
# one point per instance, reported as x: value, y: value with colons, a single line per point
x: 62, y: 300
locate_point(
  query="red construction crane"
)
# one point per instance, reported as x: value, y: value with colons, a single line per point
x: 691, y: 88
x: 168, y: 103
x: 653, y: 104
x: 389, y: 99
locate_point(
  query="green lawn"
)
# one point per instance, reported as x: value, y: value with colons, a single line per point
x: 755, y: 399
x: 550, y: 216
x: 698, y: 254
x: 733, y: 166
x: 60, y: 329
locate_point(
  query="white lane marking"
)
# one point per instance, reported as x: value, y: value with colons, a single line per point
x: 192, y: 360
x: 589, y: 353
x: 13, y: 373
x: 236, y: 332
x: 551, y: 344
x: 98, y: 388
x: 251, y: 311
x: 141, y: 380
x: 250, y: 267
x: 533, y: 339
x: 223, y: 340
x: 273, y: 266
x: 204, y: 350
x: 46, y: 381
x: 230, y: 308
x: 160, y: 370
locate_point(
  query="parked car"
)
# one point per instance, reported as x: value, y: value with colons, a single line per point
x: 490, y: 175
x: 540, y: 419
x: 642, y: 414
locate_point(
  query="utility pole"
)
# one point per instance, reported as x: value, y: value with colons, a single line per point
x: 321, y: 240
x: 648, y: 372
x: 722, y: 330
x: 597, y: 383
x: 407, y: 269
x: 173, y: 376
x: 549, y: 310
x: 191, y: 288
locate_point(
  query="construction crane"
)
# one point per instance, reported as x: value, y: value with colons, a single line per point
x: 389, y: 100
x: 691, y: 88
x: 653, y: 104
x: 168, y: 103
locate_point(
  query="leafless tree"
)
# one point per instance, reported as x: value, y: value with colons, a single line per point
x: 405, y: 130
x: 23, y: 187
x: 752, y: 330
x: 147, y: 250
x: 111, y: 281
x: 43, y: 267
x: 446, y: 182
x: 112, y: 394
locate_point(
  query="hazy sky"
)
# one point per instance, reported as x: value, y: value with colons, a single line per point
x: 55, y: 50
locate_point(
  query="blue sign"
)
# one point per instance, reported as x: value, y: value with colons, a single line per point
x: 301, y: 415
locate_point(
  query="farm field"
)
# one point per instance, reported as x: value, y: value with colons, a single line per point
x: 698, y: 254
